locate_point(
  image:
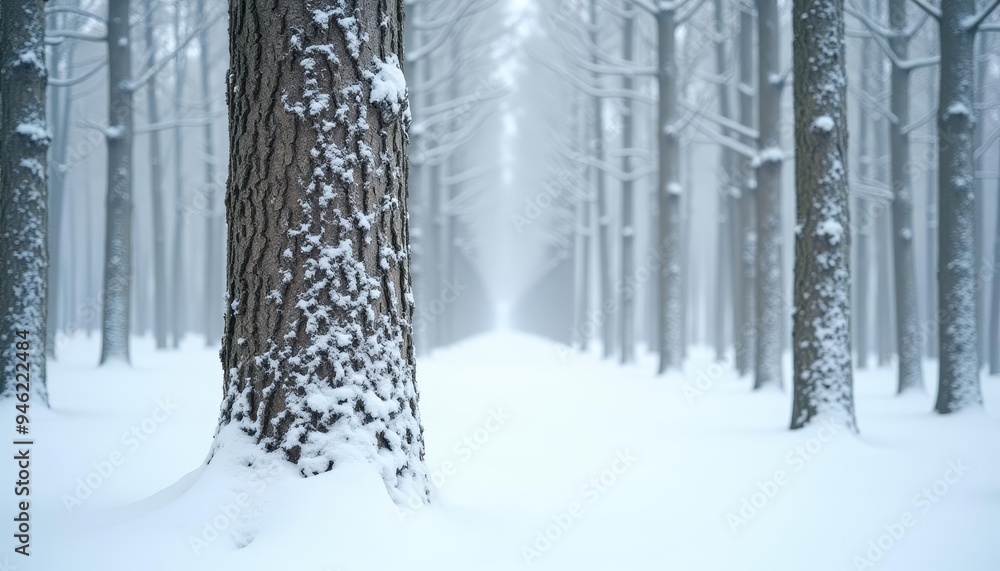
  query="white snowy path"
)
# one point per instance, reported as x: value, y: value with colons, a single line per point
x: 520, y: 435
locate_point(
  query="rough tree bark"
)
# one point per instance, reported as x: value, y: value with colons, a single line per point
x: 769, y: 300
x: 821, y: 328
x: 669, y: 196
x: 958, y: 380
x: 118, y: 227
x: 317, y: 344
x: 24, y: 142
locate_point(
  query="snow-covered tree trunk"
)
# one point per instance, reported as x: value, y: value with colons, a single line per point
x: 161, y: 297
x: 582, y: 232
x: 317, y: 346
x: 626, y: 297
x: 770, y: 299
x: 746, y: 333
x: 603, y: 217
x: 908, y: 340
x: 821, y: 327
x: 24, y: 143
x: 959, y: 353
x: 118, y: 226
x: 668, y: 195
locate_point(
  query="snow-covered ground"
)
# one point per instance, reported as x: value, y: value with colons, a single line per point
x: 542, y: 459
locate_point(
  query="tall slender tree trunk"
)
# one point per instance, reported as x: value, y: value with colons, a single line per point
x: 868, y: 218
x: 821, y: 328
x: 604, y: 272
x: 317, y: 344
x: 118, y: 226
x: 161, y: 310
x: 669, y: 197
x: 59, y: 106
x: 770, y: 305
x: 959, y: 370
x: 213, y: 215
x: 746, y: 335
x: 994, y: 332
x: 908, y: 340
x: 24, y: 143
x: 726, y: 284
x: 626, y: 306
x: 177, y: 281
x: 884, y: 242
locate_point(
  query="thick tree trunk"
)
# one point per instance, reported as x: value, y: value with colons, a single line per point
x: 770, y: 299
x: 959, y: 370
x: 118, y: 226
x: 669, y: 198
x: 746, y: 334
x: 821, y: 328
x: 604, y: 272
x: 161, y: 310
x: 908, y: 341
x: 24, y: 143
x: 626, y: 305
x: 317, y: 344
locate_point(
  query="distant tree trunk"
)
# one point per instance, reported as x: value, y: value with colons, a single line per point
x: 669, y: 198
x: 177, y: 279
x: 930, y: 179
x: 213, y: 216
x: 161, y: 311
x: 726, y: 284
x: 908, y: 342
x: 317, y: 344
x: 24, y: 143
x: 883, y: 238
x: 746, y: 335
x: 118, y: 227
x: 603, y: 217
x: 959, y: 369
x: 994, y: 332
x: 821, y: 328
x: 770, y: 305
x: 59, y: 110
x: 582, y: 234
x: 626, y: 307
x: 982, y: 55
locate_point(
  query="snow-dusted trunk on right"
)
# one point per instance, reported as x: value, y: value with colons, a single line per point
x: 317, y: 346
x: 626, y: 297
x: 603, y: 217
x: 770, y: 297
x: 908, y: 340
x: 668, y: 198
x: 821, y: 333
x: 24, y: 143
x: 958, y: 380
x: 118, y: 226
